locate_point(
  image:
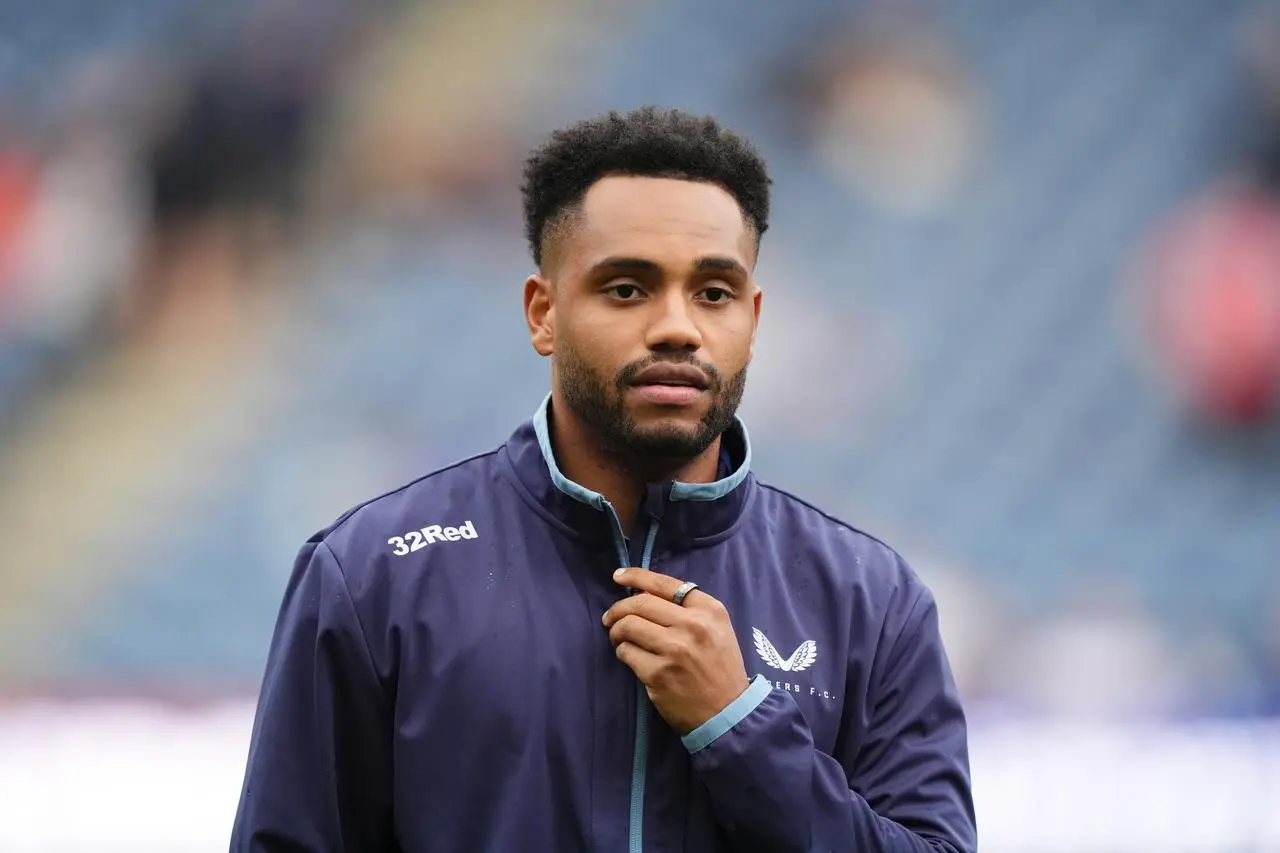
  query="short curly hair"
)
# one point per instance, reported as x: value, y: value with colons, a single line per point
x: 645, y: 142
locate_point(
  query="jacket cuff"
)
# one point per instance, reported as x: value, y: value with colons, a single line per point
x: 735, y: 712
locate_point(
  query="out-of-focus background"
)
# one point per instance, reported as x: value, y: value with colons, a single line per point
x: 260, y: 261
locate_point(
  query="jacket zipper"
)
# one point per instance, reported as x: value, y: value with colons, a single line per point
x: 640, y: 757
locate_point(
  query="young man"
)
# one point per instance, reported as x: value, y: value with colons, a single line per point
x: 457, y: 665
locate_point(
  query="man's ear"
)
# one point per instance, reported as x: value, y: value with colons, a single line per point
x: 755, y: 322
x: 540, y: 314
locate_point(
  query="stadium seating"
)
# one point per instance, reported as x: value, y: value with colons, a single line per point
x: 1023, y: 439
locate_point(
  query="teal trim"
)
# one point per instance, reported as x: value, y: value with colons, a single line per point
x: 619, y: 538
x: 541, y: 428
x: 720, y: 488
x: 639, y: 764
x: 735, y: 712
x: 648, y: 545
x: 640, y: 757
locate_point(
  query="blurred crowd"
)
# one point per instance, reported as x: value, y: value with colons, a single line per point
x: 176, y: 212
x: 142, y: 188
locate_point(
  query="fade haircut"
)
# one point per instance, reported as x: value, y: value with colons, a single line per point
x: 646, y: 142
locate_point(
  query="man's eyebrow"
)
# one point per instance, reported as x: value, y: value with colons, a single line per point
x: 710, y: 263
x: 621, y: 265
x: 720, y: 264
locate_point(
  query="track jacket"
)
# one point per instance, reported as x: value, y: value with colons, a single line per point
x: 439, y: 679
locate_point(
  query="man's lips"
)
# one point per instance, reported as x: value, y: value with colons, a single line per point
x: 667, y: 395
x: 672, y: 376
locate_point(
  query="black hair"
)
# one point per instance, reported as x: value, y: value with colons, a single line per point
x: 645, y: 142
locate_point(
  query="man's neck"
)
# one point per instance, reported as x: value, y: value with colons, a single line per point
x: 585, y: 460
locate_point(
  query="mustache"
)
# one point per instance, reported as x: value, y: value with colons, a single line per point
x: 628, y: 373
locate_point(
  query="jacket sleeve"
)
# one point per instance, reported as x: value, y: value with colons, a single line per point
x: 904, y: 787
x: 319, y: 768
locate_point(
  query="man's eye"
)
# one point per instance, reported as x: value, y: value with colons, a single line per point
x: 716, y: 294
x: 625, y: 291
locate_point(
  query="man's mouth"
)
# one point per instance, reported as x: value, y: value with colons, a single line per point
x: 672, y: 376
x: 667, y: 393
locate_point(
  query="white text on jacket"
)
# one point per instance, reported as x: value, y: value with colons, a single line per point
x: 416, y: 540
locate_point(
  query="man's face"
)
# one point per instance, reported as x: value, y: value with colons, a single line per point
x: 651, y: 314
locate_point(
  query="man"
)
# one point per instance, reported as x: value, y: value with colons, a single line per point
x: 457, y: 665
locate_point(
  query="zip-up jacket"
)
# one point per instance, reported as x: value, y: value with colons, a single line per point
x: 439, y: 679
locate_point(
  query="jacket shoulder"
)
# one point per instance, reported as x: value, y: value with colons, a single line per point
x: 439, y: 494
x: 861, y: 557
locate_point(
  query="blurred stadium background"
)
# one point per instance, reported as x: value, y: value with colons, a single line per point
x: 262, y: 260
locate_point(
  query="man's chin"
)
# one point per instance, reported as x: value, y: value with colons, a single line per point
x: 660, y: 426
x: 668, y: 438
x: 645, y: 413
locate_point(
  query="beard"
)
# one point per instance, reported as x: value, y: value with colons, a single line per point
x: 648, y: 450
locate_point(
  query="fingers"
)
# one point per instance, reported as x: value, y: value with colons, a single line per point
x: 660, y: 585
x: 663, y: 586
x: 638, y: 631
x: 646, y: 606
x: 645, y: 664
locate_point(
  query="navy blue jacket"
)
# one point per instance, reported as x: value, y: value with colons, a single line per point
x: 439, y: 679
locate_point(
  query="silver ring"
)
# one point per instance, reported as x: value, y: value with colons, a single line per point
x: 682, y: 591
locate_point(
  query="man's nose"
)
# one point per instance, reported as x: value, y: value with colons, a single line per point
x: 674, y: 326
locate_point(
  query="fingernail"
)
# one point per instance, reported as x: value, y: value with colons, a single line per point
x: 617, y: 575
x: 604, y: 619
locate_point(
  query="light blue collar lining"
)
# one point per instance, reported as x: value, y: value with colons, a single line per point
x: 720, y: 488
x: 679, y: 491
x: 541, y: 428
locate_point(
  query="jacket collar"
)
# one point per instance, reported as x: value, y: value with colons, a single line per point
x: 688, y: 514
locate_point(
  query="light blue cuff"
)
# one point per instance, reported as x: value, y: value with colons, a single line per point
x: 735, y: 712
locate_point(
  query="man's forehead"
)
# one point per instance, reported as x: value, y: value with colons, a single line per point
x: 636, y: 215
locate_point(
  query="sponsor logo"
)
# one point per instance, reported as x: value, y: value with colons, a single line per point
x: 805, y: 656
x: 416, y: 540
x: 801, y: 659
